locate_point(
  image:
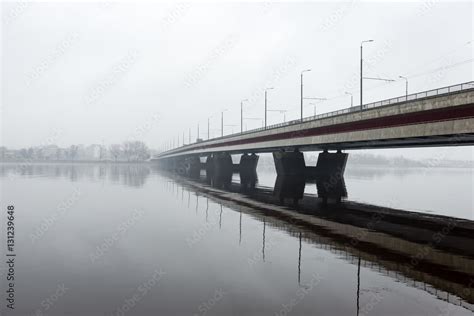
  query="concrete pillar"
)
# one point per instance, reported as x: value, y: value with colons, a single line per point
x: 209, y: 167
x: 179, y: 165
x: 219, y: 168
x: 248, y: 171
x: 329, y: 175
x: 289, y: 163
x: 248, y: 163
x: 192, y: 166
x: 223, y: 166
x: 331, y: 164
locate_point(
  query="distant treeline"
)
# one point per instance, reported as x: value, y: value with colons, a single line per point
x: 126, y: 151
x: 134, y: 151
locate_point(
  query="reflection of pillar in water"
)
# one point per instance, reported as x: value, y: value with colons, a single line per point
x: 289, y: 187
x: 197, y: 203
x: 220, y: 218
x: 331, y: 188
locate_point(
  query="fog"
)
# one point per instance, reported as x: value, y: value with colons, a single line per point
x: 85, y: 73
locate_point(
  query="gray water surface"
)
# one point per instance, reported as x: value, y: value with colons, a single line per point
x: 124, y: 239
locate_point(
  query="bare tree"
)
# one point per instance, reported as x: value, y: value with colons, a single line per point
x: 73, y: 151
x: 115, y: 150
x: 136, y: 151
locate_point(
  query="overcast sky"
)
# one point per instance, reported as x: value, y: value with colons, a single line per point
x: 105, y: 72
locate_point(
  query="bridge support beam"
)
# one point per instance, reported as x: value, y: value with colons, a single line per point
x: 192, y: 166
x: 289, y: 163
x: 329, y: 175
x: 329, y: 165
x: 248, y: 163
x: 223, y: 166
x: 219, y: 168
x: 248, y: 170
x: 209, y: 167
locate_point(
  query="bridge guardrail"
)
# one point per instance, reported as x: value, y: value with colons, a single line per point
x: 392, y: 101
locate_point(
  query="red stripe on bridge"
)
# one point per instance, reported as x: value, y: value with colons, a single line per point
x: 420, y: 117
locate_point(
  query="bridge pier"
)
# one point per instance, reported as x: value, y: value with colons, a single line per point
x: 219, y: 169
x: 192, y: 166
x: 209, y: 166
x: 289, y: 163
x: 329, y: 164
x: 328, y: 173
x: 293, y: 164
x: 248, y: 170
x: 248, y: 163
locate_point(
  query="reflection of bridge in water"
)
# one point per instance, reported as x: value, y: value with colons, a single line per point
x: 444, y: 269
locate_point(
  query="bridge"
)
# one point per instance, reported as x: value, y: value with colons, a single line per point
x: 439, y: 117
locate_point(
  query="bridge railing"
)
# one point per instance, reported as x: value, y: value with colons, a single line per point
x: 392, y: 101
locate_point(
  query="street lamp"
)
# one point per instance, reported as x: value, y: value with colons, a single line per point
x: 372, y: 78
x: 242, y: 115
x: 352, y: 97
x: 361, y: 70
x: 253, y: 118
x: 208, y: 125
x: 266, y: 105
x: 406, y: 86
x: 301, y: 96
x: 318, y: 99
x: 222, y: 123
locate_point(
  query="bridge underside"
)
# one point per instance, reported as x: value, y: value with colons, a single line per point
x: 409, y: 142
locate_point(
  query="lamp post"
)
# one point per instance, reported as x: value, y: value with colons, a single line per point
x: 301, y: 96
x: 318, y: 99
x: 242, y: 115
x: 222, y: 122
x: 253, y: 118
x: 406, y: 86
x: 266, y: 105
x: 361, y: 70
x: 381, y: 79
x: 198, y: 132
x: 352, y: 97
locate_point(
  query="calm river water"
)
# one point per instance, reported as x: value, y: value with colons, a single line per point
x: 124, y: 239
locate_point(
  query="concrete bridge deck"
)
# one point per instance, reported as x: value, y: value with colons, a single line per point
x: 440, y: 117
